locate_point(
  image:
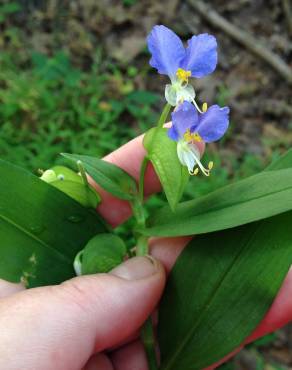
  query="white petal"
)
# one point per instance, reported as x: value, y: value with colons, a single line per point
x: 189, y: 161
x: 170, y: 95
x: 195, y: 150
x: 176, y: 93
x: 185, y: 155
x: 186, y: 93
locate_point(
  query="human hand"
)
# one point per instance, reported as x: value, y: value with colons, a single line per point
x: 63, y: 327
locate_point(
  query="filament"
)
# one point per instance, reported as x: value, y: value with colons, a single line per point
x: 206, y: 171
x: 196, y: 105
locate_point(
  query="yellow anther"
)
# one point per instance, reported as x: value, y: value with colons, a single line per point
x: 204, y: 107
x: 195, y: 172
x: 196, y: 137
x: 210, y: 165
x: 183, y: 75
x: 188, y: 136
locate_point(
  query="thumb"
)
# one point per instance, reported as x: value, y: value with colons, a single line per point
x: 60, y: 327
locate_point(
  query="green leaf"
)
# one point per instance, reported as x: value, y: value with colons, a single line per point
x: 163, y: 154
x: 265, y: 340
x: 102, y: 253
x: 285, y: 161
x: 110, y: 177
x: 254, y: 198
x: 10, y: 8
x: 72, y: 184
x: 219, y: 290
x: 41, y: 229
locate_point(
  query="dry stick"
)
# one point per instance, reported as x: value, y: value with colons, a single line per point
x: 243, y: 38
x: 288, y: 14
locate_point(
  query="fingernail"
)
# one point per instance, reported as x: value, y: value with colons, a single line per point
x: 137, y: 268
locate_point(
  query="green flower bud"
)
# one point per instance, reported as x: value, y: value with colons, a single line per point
x: 72, y: 184
x: 49, y: 176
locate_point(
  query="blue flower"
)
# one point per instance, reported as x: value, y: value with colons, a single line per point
x: 190, y: 127
x: 171, y: 58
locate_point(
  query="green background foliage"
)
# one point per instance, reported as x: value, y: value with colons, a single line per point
x: 51, y: 103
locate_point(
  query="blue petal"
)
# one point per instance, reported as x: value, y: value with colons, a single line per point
x: 201, y: 55
x: 173, y: 134
x: 167, y: 50
x: 183, y: 118
x: 213, y: 123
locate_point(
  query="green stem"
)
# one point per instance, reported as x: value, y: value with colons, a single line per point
x: 164, y: 115
x: 147, y: 336
x: 138, y: 212
x: 142, y: 246
x: 142, y: 178
x: 147, y: 333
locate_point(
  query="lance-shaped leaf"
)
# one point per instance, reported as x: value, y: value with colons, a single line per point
x: 162, y: 153
x: 285, y: 161
x: 41, y: 229
x: 221, y: 286
x: 109, y: 176
x: 254, y: 198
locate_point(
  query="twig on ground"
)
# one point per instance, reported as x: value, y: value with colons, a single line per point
x: 287, y: 9
x: 242, y: 37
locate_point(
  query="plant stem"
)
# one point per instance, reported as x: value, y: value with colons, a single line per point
x: 142, y: 246
x: 147, y: 333
x: 164, y: 115
x: 142, y: 178
x: 147, y: 336
x: 138, y: 212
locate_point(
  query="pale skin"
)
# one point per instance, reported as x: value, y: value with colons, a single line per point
x: 93, y: 322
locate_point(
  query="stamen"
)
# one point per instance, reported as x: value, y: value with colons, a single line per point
x: 194, y: 172
x: 196, y: 105
x: 206, y: 171
x: 204, y: 107
x: 183, y: 75
x: 189, y: 137
x: 189, y: 156
x: 197, y: 137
